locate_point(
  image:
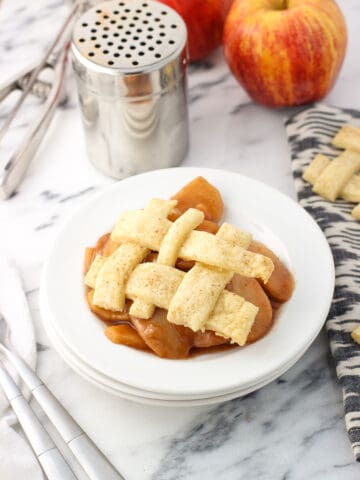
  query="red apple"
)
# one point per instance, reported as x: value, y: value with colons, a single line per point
x: 285, y: 52
x: 204, y: 20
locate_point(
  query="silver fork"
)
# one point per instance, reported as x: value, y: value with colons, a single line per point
x: 88, y: 455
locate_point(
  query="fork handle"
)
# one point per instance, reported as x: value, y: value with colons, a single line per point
x: 49, y: 457
x: 54, y: 467
x: 92, y: 460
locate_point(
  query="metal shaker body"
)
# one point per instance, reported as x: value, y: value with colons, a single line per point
x: 130, y: 61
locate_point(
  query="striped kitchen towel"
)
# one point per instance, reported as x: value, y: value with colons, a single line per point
x: 310, y: 132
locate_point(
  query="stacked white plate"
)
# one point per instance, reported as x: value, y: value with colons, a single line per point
x: 209, y: 378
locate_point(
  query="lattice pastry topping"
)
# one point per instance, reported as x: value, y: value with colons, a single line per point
x: 196, y: 299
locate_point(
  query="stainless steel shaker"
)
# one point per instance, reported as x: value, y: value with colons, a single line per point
x: 130, y: 60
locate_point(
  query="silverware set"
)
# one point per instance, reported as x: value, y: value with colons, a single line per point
x: 90, y: 458
x: 94, y: 464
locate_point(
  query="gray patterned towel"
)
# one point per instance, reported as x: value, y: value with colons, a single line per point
x: 310, y: 132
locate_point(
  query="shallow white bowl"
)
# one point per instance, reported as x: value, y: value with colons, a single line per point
x: 148, y: 398
x: 272, y: 218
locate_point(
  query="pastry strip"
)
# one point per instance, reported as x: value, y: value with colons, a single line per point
x: 110, y: 283
x: 138, y: 226
x: 234, y: 320
x: 197, y: 295
x: 177, y: 234
x: 160, y: 206
x: 350, y: 192
x: 154, y: 283
x: 316, y: 167
x: 147, y: 226
x: 93, y: 272
x: 335, y: 176
x: 348, y: 138
x: 234, y: 235
x: 212, y: 250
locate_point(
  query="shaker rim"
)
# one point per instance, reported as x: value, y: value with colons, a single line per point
x: 131, y: 37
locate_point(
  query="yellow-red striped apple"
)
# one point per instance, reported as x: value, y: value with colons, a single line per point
x: 204, y: 20
x: 285, y: 52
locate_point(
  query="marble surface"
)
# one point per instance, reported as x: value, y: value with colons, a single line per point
x: 291, y: 429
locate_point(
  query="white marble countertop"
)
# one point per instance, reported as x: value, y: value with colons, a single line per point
x: 291, y: 429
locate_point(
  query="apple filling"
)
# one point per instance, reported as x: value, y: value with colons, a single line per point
x: 163, y: 293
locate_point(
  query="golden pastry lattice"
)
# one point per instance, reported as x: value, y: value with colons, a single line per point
x: 196, y: 299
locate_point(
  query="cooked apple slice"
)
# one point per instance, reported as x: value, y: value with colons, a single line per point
x: 164, y: 338
x: 125, y: 335
x: 208, y: 226
x: 200, y: 194
x: 88, y: 258
x: 208, y: 339
x: 101, y: 244
x: 251, y: 290
x: 104, y: 247
x: 281, y: 282
x: 109, y: 247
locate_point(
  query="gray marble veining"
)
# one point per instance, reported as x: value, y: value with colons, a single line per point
x: 292, y: 429
x: 268, y: 434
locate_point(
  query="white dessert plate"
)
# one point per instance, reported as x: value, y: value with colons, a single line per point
x: 139, y: 395
x: 111, y: 387
x: 271, y: 216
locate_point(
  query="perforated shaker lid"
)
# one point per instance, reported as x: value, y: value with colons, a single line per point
x: 128, y: 37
